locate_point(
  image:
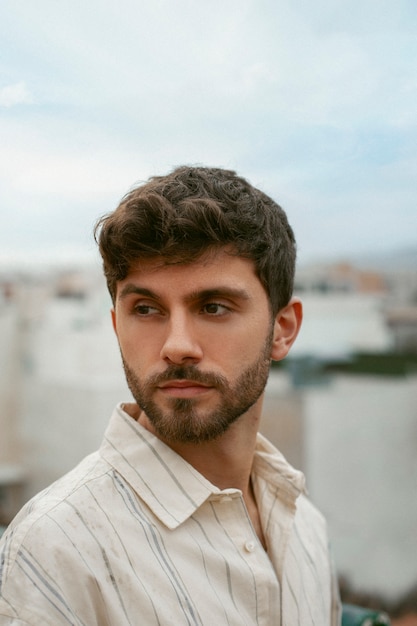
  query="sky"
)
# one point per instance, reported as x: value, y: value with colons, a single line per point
x: 314, y: 102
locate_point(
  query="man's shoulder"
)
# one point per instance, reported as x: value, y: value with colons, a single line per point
x: 57, y: 504
x: 309, y: 519
x: 306, y: 508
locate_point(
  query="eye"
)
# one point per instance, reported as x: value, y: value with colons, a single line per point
x: 215, y: 309
x: 145, y: 310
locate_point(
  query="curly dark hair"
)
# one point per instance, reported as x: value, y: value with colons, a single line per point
x: 190, y: 211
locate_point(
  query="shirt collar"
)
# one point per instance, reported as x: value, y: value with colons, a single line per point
x: 170, y: 486
x: 272, y: 466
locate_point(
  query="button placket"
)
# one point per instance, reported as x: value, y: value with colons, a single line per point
x: 249, y: 545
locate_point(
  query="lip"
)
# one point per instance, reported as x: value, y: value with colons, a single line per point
x: 183, y: 388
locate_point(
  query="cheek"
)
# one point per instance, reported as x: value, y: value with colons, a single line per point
x: 239, y: 352
x: 139, y: 355
x: 134, y: 347
x: 256, y: 335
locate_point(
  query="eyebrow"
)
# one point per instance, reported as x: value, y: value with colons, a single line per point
x: 219, y: 292
x: 131, y: 288
x: 204, y: 294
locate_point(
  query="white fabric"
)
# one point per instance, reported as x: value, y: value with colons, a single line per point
x: 135, y: 535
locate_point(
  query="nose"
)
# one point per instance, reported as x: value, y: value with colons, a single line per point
x: 181, y: 343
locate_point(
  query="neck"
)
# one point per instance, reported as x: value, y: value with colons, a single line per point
x: 225, y: 461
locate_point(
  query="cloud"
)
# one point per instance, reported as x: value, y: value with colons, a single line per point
x: 314, y: 103
x: 11, y: 95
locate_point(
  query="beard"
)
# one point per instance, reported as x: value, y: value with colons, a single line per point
x: 183, y: 421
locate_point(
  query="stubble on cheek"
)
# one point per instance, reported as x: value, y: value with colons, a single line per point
x: 186, y: 420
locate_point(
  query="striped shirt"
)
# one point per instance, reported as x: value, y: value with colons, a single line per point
x: 135, y: 535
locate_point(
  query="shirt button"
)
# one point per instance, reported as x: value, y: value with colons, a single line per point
x: 250, y: 546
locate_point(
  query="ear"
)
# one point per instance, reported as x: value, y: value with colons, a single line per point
x: 113, y: 320
x: 286, y: 326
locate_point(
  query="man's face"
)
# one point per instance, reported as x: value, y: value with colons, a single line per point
x: 196, y: 343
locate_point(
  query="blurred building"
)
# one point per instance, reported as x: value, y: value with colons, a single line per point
x: 343, y: 408
x: 402, y: 322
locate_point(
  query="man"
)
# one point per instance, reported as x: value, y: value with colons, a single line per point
x: 186, y: 515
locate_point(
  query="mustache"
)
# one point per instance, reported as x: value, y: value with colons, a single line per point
x: 187, y: 372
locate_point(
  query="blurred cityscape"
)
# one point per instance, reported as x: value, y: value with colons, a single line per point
x: 343, y: 407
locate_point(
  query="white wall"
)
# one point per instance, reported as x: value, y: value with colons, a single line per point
x: 61, y: 423
x: 336, y: 324
x: 361, y: 464
x: 356, y: 438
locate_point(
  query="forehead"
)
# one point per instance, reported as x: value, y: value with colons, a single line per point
x: 209, y: 271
